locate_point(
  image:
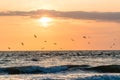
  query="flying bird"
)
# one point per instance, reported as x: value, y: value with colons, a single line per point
x: 9, y: 48
x: 84, y: 37
x: 111, y: 47
x: 72, y: 39
x: 22, y: 43
x: 55, y: 43
x: 43, y: 48
x: 61, y: 48
x: 35, y: 36
x: 89, y: 43
x: 45, y: 41
x: 113, y: 44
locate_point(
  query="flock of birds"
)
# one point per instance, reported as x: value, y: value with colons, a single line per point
x: 84, y: 37
x: 35, y: 36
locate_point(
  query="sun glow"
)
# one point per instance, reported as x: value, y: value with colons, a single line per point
x: 45, y: 21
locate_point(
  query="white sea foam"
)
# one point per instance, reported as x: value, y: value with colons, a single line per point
x: 54, y: 64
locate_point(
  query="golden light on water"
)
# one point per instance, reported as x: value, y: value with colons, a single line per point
x: 45, y: 21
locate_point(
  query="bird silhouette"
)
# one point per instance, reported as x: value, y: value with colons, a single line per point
x: 111, y: 47
x: 89, y: 43
x: 61, y: 48
x: 43, y: 48
x: 9, y: 48
x: 72, y: 39
x: 22, y: 43
x: 45, y: 41
x: 55, y: 43
x: 35, y: 36
x: 113, y: 44
x: 84, y: 37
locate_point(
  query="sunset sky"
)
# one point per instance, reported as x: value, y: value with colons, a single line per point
x: 60, y: 24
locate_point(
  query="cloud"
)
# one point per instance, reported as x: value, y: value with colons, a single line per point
x: 102, y: 16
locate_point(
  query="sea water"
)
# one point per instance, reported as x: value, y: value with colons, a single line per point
x: 60, y: 65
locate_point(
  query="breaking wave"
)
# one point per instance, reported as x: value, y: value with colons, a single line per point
x: 57, y: 69
x: 103, y: 77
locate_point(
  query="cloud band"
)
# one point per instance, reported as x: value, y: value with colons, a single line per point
x: 103, y: 16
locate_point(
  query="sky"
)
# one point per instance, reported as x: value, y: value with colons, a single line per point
x: 60, y: 25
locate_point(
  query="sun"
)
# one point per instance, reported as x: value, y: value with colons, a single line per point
x: 45, y: 21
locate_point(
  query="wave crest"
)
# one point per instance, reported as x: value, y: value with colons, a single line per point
x: 56, y: 69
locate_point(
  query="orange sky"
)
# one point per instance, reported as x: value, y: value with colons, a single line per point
x: 66, y: 29
x: 71, y: 5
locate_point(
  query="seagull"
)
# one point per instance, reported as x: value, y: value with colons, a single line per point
x: 111, y: 47
x: 35, y: 36
x: 43, y: 48
x: 55, y: 43
x: 45, y: 41
x: 61, y: 48
x: 84, y: 37
x: 88, y: 42
x: 72, y: 39
x: 113, y: 44
x: 22, y: 43
x: 9, y: 48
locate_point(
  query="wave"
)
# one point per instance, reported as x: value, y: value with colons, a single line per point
x: 57, y: 69
x: 106, y: 69
x: 32, y: 70
x: 102, y: 77
x: 85, y: 53
x: 96, y: 77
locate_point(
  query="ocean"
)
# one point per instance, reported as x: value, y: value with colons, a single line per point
x: 60, y: 65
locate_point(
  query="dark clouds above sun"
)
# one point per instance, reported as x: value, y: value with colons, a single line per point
x: 98, y: 16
